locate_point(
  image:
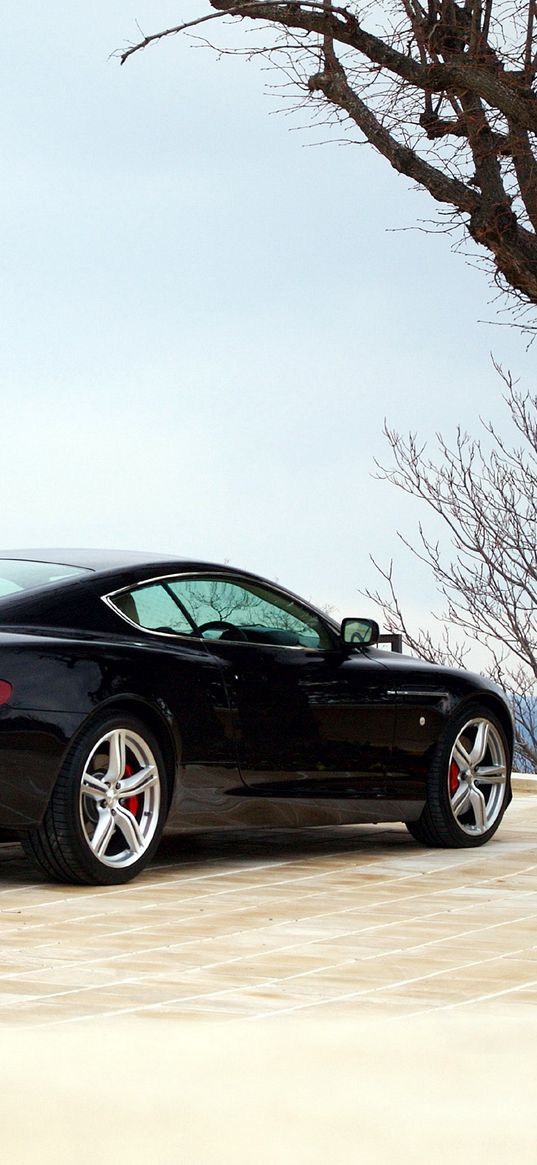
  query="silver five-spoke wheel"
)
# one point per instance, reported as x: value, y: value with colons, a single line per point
x: 468, y: 784
x: 108, y: 807
x: 477, y: 776
x: 120, y: 798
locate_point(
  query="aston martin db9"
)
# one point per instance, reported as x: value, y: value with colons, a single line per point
x: 143, y: 692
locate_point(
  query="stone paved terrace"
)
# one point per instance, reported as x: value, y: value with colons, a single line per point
x: 329, y: 998
x: 326, y: 923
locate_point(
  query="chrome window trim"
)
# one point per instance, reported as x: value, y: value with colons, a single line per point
x: 108, y: 599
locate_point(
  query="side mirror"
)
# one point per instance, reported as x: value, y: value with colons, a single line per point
x: 360, y: 632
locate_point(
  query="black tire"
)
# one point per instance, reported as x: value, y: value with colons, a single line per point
x: 107, y: 811
x: 421, y: 832
x: 466, y: 801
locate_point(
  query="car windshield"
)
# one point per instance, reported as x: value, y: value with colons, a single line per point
x: 23, y: 575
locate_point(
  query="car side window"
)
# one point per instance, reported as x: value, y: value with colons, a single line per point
x: 246, y: 611
x: 153, y: 607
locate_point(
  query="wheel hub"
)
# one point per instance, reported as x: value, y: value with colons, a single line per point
x: 120, y: 798
x: 477, y: 776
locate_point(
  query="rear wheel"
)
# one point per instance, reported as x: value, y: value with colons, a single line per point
x: 107, y: 811
x: 468, y: 786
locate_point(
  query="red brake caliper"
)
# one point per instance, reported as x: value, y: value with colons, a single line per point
x: 454, y: 773
x: 131, y: 803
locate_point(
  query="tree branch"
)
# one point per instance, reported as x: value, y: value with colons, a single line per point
x: 435, y: 93
x: 310, y: 16
x: 443, y: 188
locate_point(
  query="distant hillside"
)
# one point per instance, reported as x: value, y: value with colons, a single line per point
x: 525, y: 713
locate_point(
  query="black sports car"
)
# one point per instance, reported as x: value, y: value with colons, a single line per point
x: 138, y: 692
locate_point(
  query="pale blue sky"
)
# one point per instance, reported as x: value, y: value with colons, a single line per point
x: 206, y: 317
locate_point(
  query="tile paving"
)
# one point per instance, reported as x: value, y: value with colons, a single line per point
x: 328, y: 923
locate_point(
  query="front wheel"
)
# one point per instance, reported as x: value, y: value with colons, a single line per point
x: 468, y: 786
x: 107, y: 810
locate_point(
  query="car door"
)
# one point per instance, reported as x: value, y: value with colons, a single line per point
x: 310, y: 717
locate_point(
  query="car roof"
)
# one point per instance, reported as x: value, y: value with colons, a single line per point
x: 96, y: 560
x: 69, y: 601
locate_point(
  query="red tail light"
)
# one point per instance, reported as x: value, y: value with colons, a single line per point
x: 5, y: 691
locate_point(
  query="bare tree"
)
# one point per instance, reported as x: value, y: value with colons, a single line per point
x: 485, y: 493
x: 445, y: 91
